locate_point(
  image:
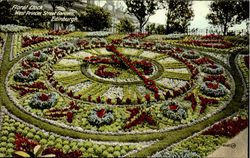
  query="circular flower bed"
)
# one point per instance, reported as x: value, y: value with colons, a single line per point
x: 37, y: 57
x: 43, y: 101
x: 26, y: 75
x: 174, y: 111
x: 212, y: 69
x: 190, y: 55
x: 213, y: 89
x: 101, y: 116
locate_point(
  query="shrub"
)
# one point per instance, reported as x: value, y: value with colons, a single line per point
x: 95, y: 18
x: 125, y: 26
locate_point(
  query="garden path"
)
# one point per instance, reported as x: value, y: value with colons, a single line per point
x: 240, y: 150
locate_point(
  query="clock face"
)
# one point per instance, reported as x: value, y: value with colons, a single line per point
x: 100, y: 73
x: 105, y: 87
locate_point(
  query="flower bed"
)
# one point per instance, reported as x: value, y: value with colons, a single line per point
x: 58, y: 32
x: 29, y: 40
x: 43, y: 101
x: 229, y: 127
x: 13, y: 28
x: 212, y: 69
x: 38, y: 56
x: 213, y: 89
x: 211, y: 37
x: 190, y: 55
x: 210, y: 43
x: 26, y: 75
x: 101, y: 116
x: 174, y: 111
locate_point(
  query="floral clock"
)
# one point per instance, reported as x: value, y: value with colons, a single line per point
x: 121, y: 87
x: 92, y: 97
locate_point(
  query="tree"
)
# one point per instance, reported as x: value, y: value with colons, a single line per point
x: 142, y: 10
x: 95, y: 18
x: 242, y: 8
x: 223, y: 14
x: 150, y: 28
x: 125, y: 26
x: 6, y: 13
x: 160, y: 29
x: 179, y: 14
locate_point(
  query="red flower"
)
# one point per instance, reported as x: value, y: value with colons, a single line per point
x: 157, y: 96
x: 69, y: 117
x: 213, y: 66
x: 100, y: 113
x: 147, y: 98
x: 212, y: 86
x: 44, y: 97
x: 109, y: 101
x: 37, y: 54
x: 128, y: 101
x: 98, y: 99
x: 173, y: 106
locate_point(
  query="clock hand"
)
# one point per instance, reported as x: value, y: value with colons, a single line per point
x: 148, y: 83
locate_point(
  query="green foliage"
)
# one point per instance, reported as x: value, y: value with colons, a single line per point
x: 240, y: 40
x: 242, y: 8
x: 95, y: 18
x: 125, y: 26
x: 179, y: 15
x: 150, y: 28
x: 160, y: 29
x: 141, y: 9
x: 66, y: 147
x: 6, y: 13
x: 181, y: 154
x: 202, y: 144
x: 30, y: 135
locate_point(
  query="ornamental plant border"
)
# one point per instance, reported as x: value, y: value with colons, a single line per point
x: 195, y: 134
x: 242, y: 77
x: 4, y: 111
x: 173, y: 136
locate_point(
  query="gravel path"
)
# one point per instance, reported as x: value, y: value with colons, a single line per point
x: 236, y: 147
